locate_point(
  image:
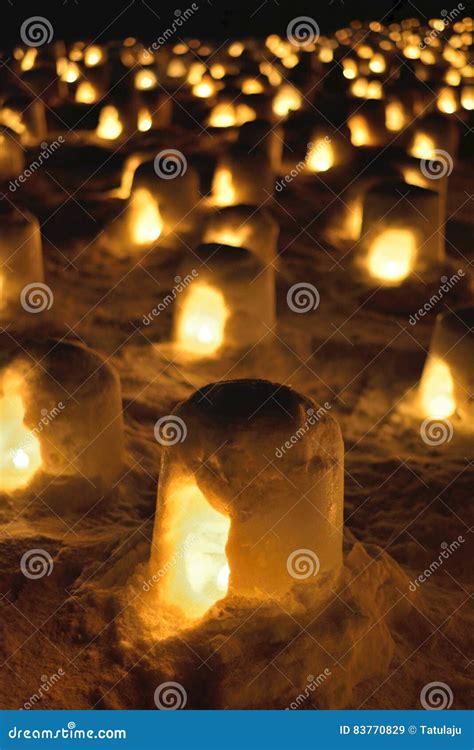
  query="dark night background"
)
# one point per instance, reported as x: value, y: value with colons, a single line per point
x: 146, y: 19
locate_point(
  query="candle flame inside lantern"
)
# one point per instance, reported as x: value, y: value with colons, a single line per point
x: 423, y: 146
x: 288, y: 99
x: 202, y: 320
x: 223, y: 190
x: 144, y: 120
x: 321, y: 156
x: 195, y: 539
x: 394, y: 116
x: 70, y: 72
x: 146, y: 221
x: 359, y: 130
x: 145, y: 80
x: 86, y: 93
x: 20, y: 455
x: 437, y: 390
x: 92, y: 56
x: 392, y: 255
x: 110, y: 126
x: 467, y: 98
x: 29, y: 58
x: 12, y: 120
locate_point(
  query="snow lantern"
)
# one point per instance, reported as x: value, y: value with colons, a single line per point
x: 232, y: 518
x: 21, y: 258
x: 244, y: 226
x: 242, y: 177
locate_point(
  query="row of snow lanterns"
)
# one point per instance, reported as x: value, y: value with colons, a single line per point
x: 208, y: 531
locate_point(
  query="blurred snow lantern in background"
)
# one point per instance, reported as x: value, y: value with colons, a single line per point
x: 431, y: 134
x: 261, y: 136
x: 402, y: 233
x: 12, y: 159
x: 86, y: 93
x: 447, y: 382
x: 287, y: 99
x: 447, y: 100
x: 110, y: 125
x: 397, y: 115
x: 328, y: 150
x: 25, y: 116
x: 230, y: 305
x: 62, y: 407
x: 366, y: 123
x: 21, y: 261
x: 230, y: 520
x: 241, y: 177
x: 244, y: 226
x: 467, y: 98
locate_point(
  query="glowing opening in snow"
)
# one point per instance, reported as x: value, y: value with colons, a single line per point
x: 29, y: 58
x: 423, y: 146
x: 20, y: 455
x: 202, y: 320
x: 223, y: 190
x: 467, y: 98
x: 86, y: 93
x: 93, y: 56
x: 145, y: 80
x: 145, y: 218
x: 195, y: 539
x: 236, y: 49
x: 204, y: 89
x: 392, y: 255
x: 447, y: 101
x: 252, y: 86
x: 144, y: 120
x: 231, y: 237
x: 12, y: 120
x: 321, y: 156
x: 394, y: 116
x: 70, y: 73
x: 110, y: 125
x: 360, y: 135
x: 288, y: 99
x: 437, y: 390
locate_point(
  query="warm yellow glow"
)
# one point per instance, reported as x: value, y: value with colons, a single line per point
x: 428, y: 57
x: 222, y: 116
x: 252, y: 86
x: 437, y: 390
x: 360, y: 135
x: 446, y: 101
x: 359, y: 88
x: 377, y: 63
x: 20, y: 455
x: 392, y: 255
x: 326, y: 54
x: 93, y: 56
x: 350, y: 69
x: 180, y: 48
x: 453, y: 77
x: 145, y: 80
x: 176, y: 69
x: 321, y: 156
x: 291, y: 61
x: 144, y: 120
x: 232, y: 237
x: 29, y: 58
x: 236, y: 49
x: 244, y: 113
x: 86, y: 93
x: 70, y: 73
x: 195, y: 538
x: 467, y: 97
x: 217, y: 71
x: 145, y: 219
x: 288, y: 99
x: 394, y: 116
x: 110, y: 126
x: 423, y: 146
x: 223, y: 190
x: 129, y: 170
x: 204, y: 89
x: 202, y: 320
x: 412, y: 52
x: 365, y: 52
x: 195, y: 73
x: 12, y: 120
